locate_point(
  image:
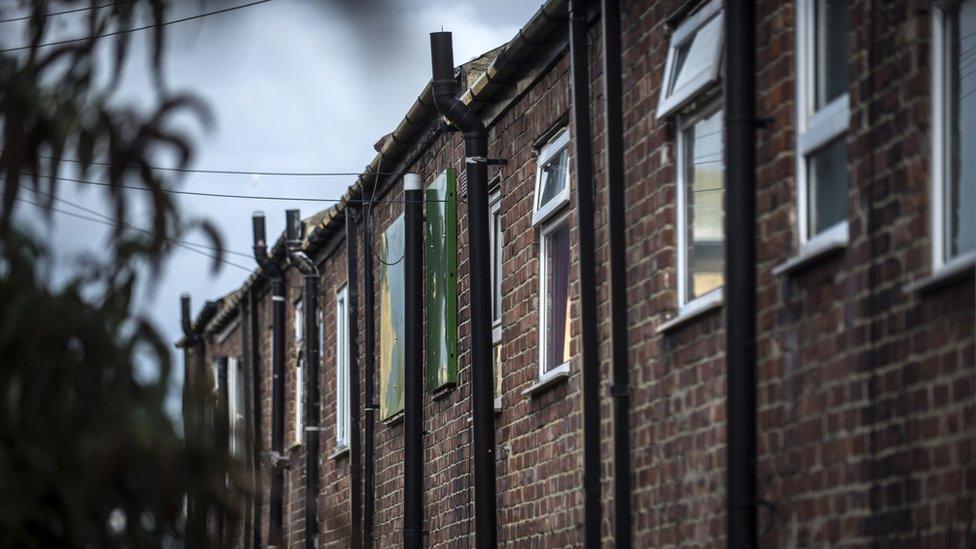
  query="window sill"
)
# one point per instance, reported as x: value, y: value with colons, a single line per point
x: 549, y: 380
x: 442, y: 391
x: 942, y: 276
x: 339, y: 452
x: 826, y: 244
x: 701, y: 306
x: 394, y: 419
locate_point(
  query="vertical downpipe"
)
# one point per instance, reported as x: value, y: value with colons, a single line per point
x: 369, y: 373
x: 413, y: 416
x: 244, y: 325
x: 273, y: 270
x: 740, y: 261
x: 311, y: 433
x: 222, y: 416
x: 617, y: 235
x: 254, y: 325
x: 443, y: 90
x: 352, y: 329
x: 583, y: 158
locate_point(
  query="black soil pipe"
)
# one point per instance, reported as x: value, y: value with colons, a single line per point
x: 254, y: 326
x: 444, y: 90
x: 413, y: 413
x: 583, y: 158
x: 355, y: 440
x: 310, y: 275
x: 272, y: 269
x: 369, y: 373
x: 244, y: 326
x: 222, y: 430
x: 740, y: 277
x: 617, y: 235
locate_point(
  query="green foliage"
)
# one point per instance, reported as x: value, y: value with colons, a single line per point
x: 88, y: 456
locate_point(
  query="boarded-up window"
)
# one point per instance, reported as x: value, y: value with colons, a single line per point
x: 440, y: 232
x: 392, y: 317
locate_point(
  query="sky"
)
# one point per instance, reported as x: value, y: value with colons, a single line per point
x: 294, y: 85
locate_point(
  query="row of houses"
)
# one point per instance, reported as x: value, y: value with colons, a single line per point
x: 864, y: 402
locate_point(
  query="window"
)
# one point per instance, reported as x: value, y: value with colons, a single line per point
x: 235, y: 406
x: 694, y: 58
x: 954, y: 132
x: 495, y: 237
x: 554, y: 303
x: 342, y: 368
x: 823, y: 117
x: 552, y: 178
x: 701, y: 189
x: 299, y: 374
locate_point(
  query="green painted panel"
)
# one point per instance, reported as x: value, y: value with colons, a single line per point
x: 392, y: 319
x: 440, y: 284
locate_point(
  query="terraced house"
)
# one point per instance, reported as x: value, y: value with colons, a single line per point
x: 720, y: 262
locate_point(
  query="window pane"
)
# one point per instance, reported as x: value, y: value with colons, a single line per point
x: 831, y: 50
x: 557, y: 297
x: 554, y: 174
x: 704, y: 193
x: 697, y: 55
x: 960, y: 197
x: 496, y: 263
x: 497, y: 365
x: 827, y: 191
x: 299, y: 315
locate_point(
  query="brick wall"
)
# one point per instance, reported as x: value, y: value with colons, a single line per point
x: 865, y: 398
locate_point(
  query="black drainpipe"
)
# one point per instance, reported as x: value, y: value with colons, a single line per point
x: 617, y: 235
x: 352, y: 328
x: 192, y: 366
x: 310, y: 274
x: 244, y: 325
x: 271, y: 269
x: 413, y: 386
x: 740, y: 274
x: 583, y: 157
x: 254, y: 326
x: 369, y: 373
x: 444, y: 89
x: 222, y: 430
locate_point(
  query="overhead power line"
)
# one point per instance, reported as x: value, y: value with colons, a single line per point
x: 136, y: 29
x: 65, y: 12
x: 217, y: 195
x: 245, y: 172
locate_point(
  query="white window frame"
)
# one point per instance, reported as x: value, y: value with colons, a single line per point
x: 495, y: 207
x: 343, y: 423
x: 671, y: 102
x: 941, y: 113
x: 235, y: 409
x: 815, y: 128
x: 556, y: 223
x: 685, y: 305
x: 542, y: 212
x: 300, y: 363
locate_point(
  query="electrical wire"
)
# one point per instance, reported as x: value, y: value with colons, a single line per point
x: 136, y: 29
x: 184, y: 245
x: 65, y: 12
x: 132, y: 227
x: 239, y: 172
x: 204, y: 194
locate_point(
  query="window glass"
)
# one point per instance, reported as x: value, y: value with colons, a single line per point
x: 831, y: 50
x: 697, y: 55
x: 960, y: 194
x: 497, y: 364
x: 496, y: 259
x: 703, y: 216
x: 556, y: 297
x: 827, y: 199
x: 342, y: 370
x: 299, y: 397
x: 554, y: 176
x: 299, y: 316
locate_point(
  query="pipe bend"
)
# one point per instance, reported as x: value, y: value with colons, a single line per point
x: 454, y: 109
x: 301, y: 261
